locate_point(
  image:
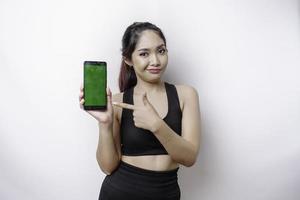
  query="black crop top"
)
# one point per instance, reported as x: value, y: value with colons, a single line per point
x: 138, y: 141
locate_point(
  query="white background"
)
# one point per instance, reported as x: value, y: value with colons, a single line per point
x: 242, y: 56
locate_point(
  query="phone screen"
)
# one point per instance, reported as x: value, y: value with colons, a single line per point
x: 95, y: 85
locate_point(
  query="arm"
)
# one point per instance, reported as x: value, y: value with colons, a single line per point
x: 108, y: 151
x: 183, y: 149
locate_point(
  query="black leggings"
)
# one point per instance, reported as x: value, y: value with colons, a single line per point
x: 134, y: 183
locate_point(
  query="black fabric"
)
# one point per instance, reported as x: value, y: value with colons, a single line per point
x: 137, y: 141
x: 129, y: 182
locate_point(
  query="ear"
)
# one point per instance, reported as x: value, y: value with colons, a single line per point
x: 127, y: 61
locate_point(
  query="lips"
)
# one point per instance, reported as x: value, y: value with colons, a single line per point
x: 154, y: 70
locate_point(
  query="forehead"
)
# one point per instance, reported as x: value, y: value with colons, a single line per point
x: 149, y: 39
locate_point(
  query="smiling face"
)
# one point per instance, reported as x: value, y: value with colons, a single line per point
x: 150, y: 57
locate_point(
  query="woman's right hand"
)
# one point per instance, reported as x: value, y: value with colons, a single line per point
x: 104, y: 117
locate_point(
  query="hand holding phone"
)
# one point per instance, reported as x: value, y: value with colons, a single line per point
x: 101, y: 110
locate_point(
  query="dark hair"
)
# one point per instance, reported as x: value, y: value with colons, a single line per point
x: 127, y: 76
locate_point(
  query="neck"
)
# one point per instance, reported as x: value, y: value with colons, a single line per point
x: 148, y: 87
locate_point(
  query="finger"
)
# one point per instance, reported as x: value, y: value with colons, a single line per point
x: 109, y: 98
x: 108, y: 92
x: 80, y: 95
x: 144, y: 98
x: 124, y: 105
x: 81, y: 103
x: 81, y: 87
x: 146, y: 101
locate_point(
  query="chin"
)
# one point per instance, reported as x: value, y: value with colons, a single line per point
x: 152, y: 80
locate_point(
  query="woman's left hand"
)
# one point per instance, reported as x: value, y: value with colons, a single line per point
x: 144, y: 116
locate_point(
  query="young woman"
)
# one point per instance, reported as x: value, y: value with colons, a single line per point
x: 148, y: 129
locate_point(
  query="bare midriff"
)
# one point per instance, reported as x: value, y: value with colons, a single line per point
x: 151, y: 162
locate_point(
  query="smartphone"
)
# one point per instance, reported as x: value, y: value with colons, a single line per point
x: 94, y: 85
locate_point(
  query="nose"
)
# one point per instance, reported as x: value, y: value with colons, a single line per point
x: 154, y: 60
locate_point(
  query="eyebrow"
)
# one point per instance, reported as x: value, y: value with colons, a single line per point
x: 145, y: 49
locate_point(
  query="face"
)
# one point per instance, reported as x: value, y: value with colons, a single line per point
x: 150, y: 57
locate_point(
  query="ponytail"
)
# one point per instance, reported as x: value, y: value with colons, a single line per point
x: 127, y: 77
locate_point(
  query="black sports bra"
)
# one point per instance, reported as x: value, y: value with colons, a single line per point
x: 138, y: 141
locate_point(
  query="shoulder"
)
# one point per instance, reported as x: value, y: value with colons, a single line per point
x: 186, y: 93
x: 186, y: 90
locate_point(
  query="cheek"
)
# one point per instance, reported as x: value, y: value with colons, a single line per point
x: 139, y: 61
x: 164, y: 60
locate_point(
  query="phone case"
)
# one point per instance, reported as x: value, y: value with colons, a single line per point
x: 95, y: 75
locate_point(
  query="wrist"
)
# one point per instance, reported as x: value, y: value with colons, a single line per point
x: 157, y: 125
x: 105, y: 126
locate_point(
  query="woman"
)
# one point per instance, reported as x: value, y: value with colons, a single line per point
x: 150, y: 127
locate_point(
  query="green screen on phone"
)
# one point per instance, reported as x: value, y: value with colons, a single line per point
x: 94, y: 85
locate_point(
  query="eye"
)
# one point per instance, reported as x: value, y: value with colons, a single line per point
x: 144, y: 54
x: 162, y: 51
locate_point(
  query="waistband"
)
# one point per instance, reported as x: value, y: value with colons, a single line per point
x: 147, y: 172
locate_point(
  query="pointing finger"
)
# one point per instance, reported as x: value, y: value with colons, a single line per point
x: 144, y: 98
x: 124, y: 105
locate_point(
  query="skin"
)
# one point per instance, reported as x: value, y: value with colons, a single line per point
x: 149, y: 108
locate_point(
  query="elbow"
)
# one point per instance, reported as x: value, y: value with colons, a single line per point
x: 108, y: 169
x: 107, y: 166
x: 106, y: 172
x: 190, y: 162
